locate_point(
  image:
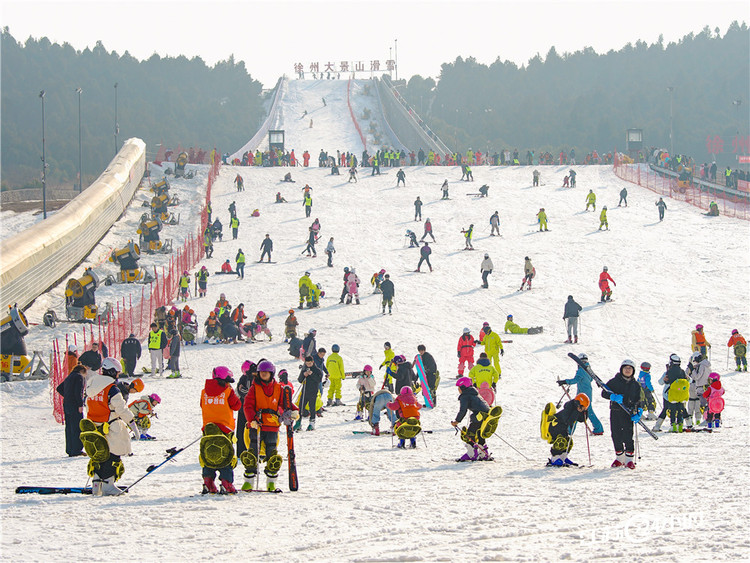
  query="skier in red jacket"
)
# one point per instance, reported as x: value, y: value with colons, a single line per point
x: 466, y: 344
x: 604, y: 279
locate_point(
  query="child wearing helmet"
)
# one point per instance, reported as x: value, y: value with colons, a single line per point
x: 366, y: 388
x: 676, y: 410
x: 261, y: 325
x: 713, y: 395
x: 699, y: 342
x: 563, y: 425
x: 184, y: 284
x: 649, y: 401
x: 465, y: 351
x: 582, y: 381
x: 697, y: 372
x: 336, y: 374
x: 390, y: 367
x: 740, y: 349
x: 218, y: 405
x: 106, y: 405
x: 603, y: 224
x: 470, y: 402
x: 623, y: 391
x: 528, y: 274
x: 264, y: 407
x: 406, y: 408
x: 143, y: 411
x: 290, y: 326
x: 604, y: 279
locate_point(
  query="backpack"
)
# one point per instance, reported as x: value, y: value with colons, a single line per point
x: 548, y: 416
x: 679, y: 391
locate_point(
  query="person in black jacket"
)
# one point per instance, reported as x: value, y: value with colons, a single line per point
x: 405, y: 376
x: 676, y: 410
x: 563, y: 425
x: 267, y: 247
x: 92, y: 359
x: 130, y: 351
x: 310, y: 377
x: 388, y: 291
x: 309, y: 346
x: 430, y: 371
x: 470, y: 401
x: 249, y: 371
x: 570, y: 316
x: 623, y: 390
x: 71, y: 390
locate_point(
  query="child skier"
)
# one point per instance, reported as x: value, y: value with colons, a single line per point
x: 603, y: 219
x: 380, y: 401
x: 604, y: 279
x: 406, y: 408
x: 541, y: 218
x: 562, y: 426
x: 673, y: 374
x: 513, y: 328
x: 582, y: 381
x: 649, y: 401
x: 470, y: 401
x: 389, y: 355
x: 467, y: 237
x: 740, y: 349
x: 264, y: 406
x: 528, y: 273
x: 366, y: 388
x: 311, y: 377
x: 713, y: 394
x: 591, y: 200
x: 290, y: 326
x: 143, y: 411
x: 623, y: 391
x: 218, y: 403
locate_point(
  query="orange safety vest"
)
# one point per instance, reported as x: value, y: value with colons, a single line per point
x: 98, y: 406
x: 268, y: 407
x: 408, y: 410
x: 700, y: 338
x: 216, y: 408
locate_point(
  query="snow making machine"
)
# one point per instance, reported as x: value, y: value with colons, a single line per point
x: 15, y: 362
x: 80, y: 297
x: 159, y: 209
x: 180, y: 164
x: 149, y: 229
x: 127, y: 258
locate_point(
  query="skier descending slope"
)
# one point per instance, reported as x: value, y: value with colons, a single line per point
x: 623, y: 391
x: 604, y: 279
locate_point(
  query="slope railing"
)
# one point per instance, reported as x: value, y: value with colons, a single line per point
x: 351, y: 112
x: 262, y: 133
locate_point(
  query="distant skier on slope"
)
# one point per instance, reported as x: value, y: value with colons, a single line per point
x: 604, y: 279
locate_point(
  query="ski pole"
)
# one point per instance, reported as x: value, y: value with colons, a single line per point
x: 565, y: 392
x: 588, y: 445
x: 585, y: 422
x: 505, y: 442
x: 257, y: 457
x: 171, y: 453
x: 424, y: 440
x: 637, y: 445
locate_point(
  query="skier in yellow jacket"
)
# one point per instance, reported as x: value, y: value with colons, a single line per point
x: 591, y: 200
x: 603, y: 219
x: 336, y: 374
x: 542, y: 218
x: 307, y: 290
x: 493, y: 347
x: 484, y: 372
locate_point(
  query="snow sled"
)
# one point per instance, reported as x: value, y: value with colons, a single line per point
x: 548, y: 417
x: 715, y: 405
x: 489, y: 421
x: 486, y: 392
x: 216, y: 448
x: 94, y: 442
x: 189, y: 332
x: 679, y: 391
x: 409, y: 428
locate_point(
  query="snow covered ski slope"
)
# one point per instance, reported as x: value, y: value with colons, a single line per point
x: 360, y: 499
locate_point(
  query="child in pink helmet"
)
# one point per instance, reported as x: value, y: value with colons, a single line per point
x: 713, y: 394
x: 470, y: 401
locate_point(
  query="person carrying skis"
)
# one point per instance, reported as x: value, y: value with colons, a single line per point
x: 513, y: 328
x: 310, y: 377
x: 71, y: 390
x: 106, y: 407
x: 604, y: 279
x: 266, y: 248
x: 570, y: 316
x: 417, y: 209
x: 406, y: 407
x: 699, y: 342
x: 541, y: 218
x: 563, y: 425
x: 528, y: 273
x: 483, y: 372
x: 311, y: 240
x: 264, y: 408
x: 493, y: 347
x: 218, y: 405
x: 400, y: 177
x: 582, y: 381
x: 603, y: 219
x: 470, y: 401
x: 648, y: 399
x: 388, y: 291
x: 366, y: 389
x: 424, y: 256
x: 740, y: 349
x: 336, y: 376
x: 430, y: 371
x: 713, y: 396
x: 623, y: 391
x: 495, y: 224
x: 465, y: 351
x: 467, y: 236
x: 427, y: 230
x: 661, y: 204
x: 290, y: 326
x: 591, y: 200
x: 444, y: 187
x: 486, y: 268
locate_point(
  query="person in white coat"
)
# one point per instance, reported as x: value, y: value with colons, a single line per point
x: 105, y: 404
x: 486, y: 269
x: 697, y: 371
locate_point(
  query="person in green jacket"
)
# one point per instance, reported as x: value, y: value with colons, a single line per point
x: 240, y: 259
x: 235, y: 223
x: 493, y: 347
x: 484, y: 372
x: 542, y: 218
x: 336, y: 374
x: 513, y: 328
x: 603, y: 219
x: 307, y: 291
x: 591, y: 200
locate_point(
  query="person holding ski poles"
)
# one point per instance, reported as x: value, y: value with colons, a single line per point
x: 582, y: 381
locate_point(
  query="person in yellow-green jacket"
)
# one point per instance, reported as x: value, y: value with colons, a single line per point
x: 493, y: 347
x: 336, y: 374
x: 513, y: 328
x: 542, y: 218
x: 389, y: 355
x: 484, y: 372
x: 307, y: 291
x: 603, y: 219
x: 591, y: 200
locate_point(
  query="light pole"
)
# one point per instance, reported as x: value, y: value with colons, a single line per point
x: 670, y: 89
x: 456, y: 129
x: 44, y: 163
x: 390, y: 57
x: 80, y: 170
x: 117, y: 127
x: 737, y: 103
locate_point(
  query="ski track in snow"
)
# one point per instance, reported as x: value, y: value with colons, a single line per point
x: 360, y: 500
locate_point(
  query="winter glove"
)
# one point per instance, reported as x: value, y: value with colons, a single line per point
x: 637, y: 416
x: 494, y: 386
x: 458, y: 354
x: 561, y: 382
x: 254, y: 424
x: 454, y: 423
x: 615, y: 398
x: 502, y: 352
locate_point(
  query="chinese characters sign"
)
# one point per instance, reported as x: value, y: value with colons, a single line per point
x: 343, y: 66
x: 740, y: 145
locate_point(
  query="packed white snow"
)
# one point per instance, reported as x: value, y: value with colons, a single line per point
x: 362, y: 500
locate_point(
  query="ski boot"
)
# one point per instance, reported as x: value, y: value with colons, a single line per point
x: 338, y: 403
x: 472, y: 453
x: 401, y: 444
x: 568, y: 463
x: 620, y: 460
x: 329, y: 403
x: 209, y: 486
x: 575, y: 340
x: 657, y: 426
x: 569, y: 341
x: 271, y: 485
x: 484, y: 453
x: 413, y: 443
x: 145, y: 436
x: 297, y: 425
x: 311, y: 426
x: 556, y: 461
x: 227, y: 488
x: 174, y: 375
x: 108, y: 487
x: 376, y: 429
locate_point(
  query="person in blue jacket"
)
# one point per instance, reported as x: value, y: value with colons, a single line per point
x: 644, y: 379
x: 582, y: 381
